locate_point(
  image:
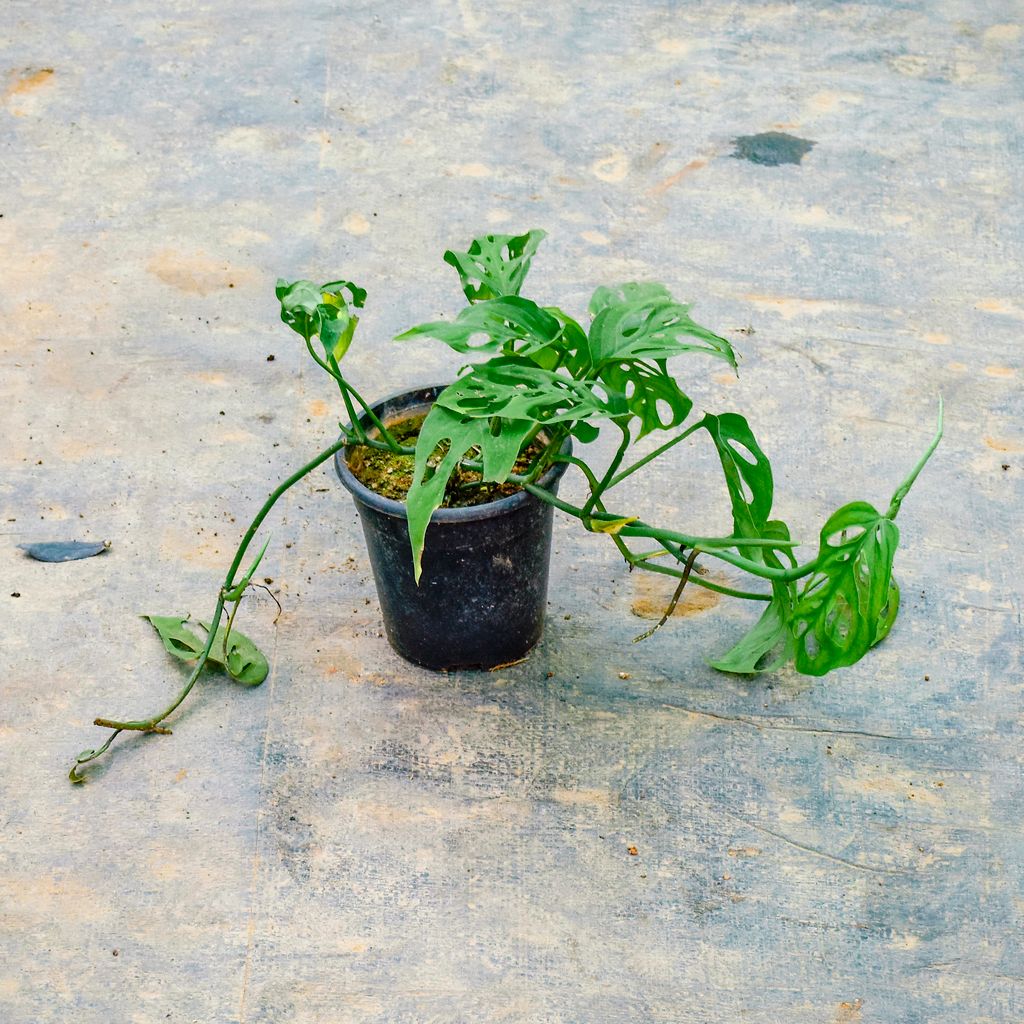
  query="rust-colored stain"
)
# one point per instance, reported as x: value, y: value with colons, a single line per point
x: 680, y: 175
x: 318, y: 407
x: 194, y: 273
x: 849, y: 1012
x: 652, y: 593
x: 1001, y: 445
x: 999, y: 371
x: 28, y: 81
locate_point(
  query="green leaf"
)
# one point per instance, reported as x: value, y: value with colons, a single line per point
x: 245, y: 663
x: 641, y: 386
x: 322, y: 311
x: 244, y: 660
x: 770, y: 643
x: 612, y: 526
x: 748, y: 476
x: 457, y: 434
x: 235, y: 593
x: 495, y: 265
x: 766, y: 648
x: 850, y: 602
x: 522, y: 391
x: 643, y: 321
x: 497, y: 325
x: 177, y: 640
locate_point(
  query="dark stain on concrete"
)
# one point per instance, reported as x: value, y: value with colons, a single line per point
x: 771, y: 148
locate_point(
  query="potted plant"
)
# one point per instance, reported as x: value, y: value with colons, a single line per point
x: 456, y: 485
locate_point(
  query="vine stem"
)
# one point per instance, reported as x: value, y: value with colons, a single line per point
x: 152, y: 724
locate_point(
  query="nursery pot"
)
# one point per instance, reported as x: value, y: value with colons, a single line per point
x: 481, y: 596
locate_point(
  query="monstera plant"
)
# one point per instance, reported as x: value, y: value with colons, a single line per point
x: 541, y: 377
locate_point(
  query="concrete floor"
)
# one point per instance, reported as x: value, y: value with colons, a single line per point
x: 361, y: 841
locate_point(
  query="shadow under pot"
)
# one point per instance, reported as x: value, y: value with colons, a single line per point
x: 482, y: 593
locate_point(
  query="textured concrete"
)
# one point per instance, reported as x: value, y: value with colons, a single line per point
x: 359, y: 841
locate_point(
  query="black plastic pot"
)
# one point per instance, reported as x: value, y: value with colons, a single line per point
x: 481, y: 596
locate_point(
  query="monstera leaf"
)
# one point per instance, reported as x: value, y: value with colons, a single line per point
x: 494, y: 326
x: 770, y: 644
x: 748, y: 476
x: 244, y: 661
x: 849, y: 603
x: 495, y: 265
x: 641, y: 387
x: 643, y: 321
x: 498, y: 440
x: 516, y: 389
x: 322, y: 310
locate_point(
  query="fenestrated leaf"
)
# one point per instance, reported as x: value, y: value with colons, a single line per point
x: 245, y: 662
x: 495, y: 265
x: 64, y: 550
x: 642, y: 387
x: 748, y: 476
x: 322, y: 311
x: 520, y: 390
x: 643, y: 321
x: 846, y: 606
x: 767, y: 647
x: 770, y: 643
x: 457, y: 434
x: 494, y: 326
x: 177, y: 640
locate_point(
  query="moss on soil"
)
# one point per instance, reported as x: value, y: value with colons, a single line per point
x: 390, y: 475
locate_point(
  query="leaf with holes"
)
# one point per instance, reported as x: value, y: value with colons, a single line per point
x: 846, y: 606
x: 770, y: 643
x: 322, y: 311
x: 643, y: 321
x: 456, y: 434
x: 642, y: 387
x: 748, y: 476
x: 520, y: 390
x: 499, y: 324
x: 245, y: 662
x: 177, y: 640
x: 495, y: 265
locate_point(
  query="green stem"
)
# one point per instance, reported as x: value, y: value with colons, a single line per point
x: 640, y: 463
x: 609, y: 475
x: 151, y: 724
x: 901, y: 491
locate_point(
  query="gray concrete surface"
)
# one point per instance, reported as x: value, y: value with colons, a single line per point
x: 360, y: 841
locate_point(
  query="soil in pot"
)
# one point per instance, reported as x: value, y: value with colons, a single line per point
x: 390, y: 474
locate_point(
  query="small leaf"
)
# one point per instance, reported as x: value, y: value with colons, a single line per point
x: 497, y: 324
x: 612, y: 526
x: 643, y: 321
x: 322, y: 311
x: 235, y: 593
x: 767, y: 647
x: 495, y: 265
x: 748, y: 476
x: 65, y: 550
x: 847, y: 605
x: 641, y: 387
x: 519, y: 390
x: 458, y: 433
x: 177, y: 640
x: 246, y: 663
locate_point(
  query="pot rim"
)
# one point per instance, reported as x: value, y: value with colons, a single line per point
x: 397, y: 509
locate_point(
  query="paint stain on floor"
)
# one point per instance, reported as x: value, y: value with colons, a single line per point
x: 652, y: 594
x: 28, y: 80
x: 770, y: 149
